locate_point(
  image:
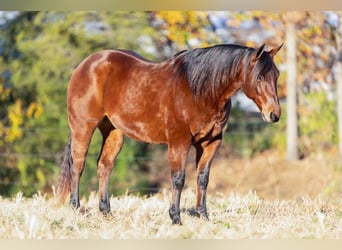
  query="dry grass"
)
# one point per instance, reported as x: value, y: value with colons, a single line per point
x: 139, y: 218
x: 270, y: 176
x: 289, y: 200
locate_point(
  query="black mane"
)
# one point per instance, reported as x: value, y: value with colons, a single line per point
x: 209, y: 70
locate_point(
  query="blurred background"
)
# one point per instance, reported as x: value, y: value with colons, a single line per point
x: 298, y: 156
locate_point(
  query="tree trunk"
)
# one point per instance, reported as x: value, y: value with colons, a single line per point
x: 339, y: 84
x: 292, y: 126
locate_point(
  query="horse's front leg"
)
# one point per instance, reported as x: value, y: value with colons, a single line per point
x: 177, y: 157
x: 205, y: 152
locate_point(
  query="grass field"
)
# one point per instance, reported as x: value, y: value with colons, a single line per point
x: 262, y: 198
x: 232, y: 217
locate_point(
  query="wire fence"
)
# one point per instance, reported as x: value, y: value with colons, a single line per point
x: 235, y: 132
x: 234, y: 129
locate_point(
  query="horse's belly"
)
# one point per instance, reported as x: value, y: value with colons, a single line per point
x: 140, y: 132
x: 150, y: 132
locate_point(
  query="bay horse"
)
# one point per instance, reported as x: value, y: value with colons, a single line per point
x: 183, y: 101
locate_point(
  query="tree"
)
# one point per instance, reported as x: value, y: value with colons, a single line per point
x: 182, y: 30
x: 15, y: 108
x: 313, y: 59
x: 338, y: 36
x: 41, y: 49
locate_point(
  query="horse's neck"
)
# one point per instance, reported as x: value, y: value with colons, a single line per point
x: 236, y: 84
x: 226, y: 96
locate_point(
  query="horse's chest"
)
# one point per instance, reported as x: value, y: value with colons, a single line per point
x: 209, y: 130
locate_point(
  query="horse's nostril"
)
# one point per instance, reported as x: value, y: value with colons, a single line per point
x: 274, y: 117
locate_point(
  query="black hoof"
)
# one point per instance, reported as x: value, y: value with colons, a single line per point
x: 203, y: 213
x: 176, y: 221
x: 175, y: 215
x: 193, y: 212
x: 75, y: 203
x: 104, y: 207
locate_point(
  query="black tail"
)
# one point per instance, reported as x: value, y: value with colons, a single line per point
x: 64, y: 181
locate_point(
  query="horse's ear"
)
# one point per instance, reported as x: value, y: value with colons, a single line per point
x: 274, y: 51
x: 257, y: 53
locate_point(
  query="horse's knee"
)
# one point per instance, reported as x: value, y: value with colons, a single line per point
x: 104, y: 168
x: 178, y: 179
x: 203, y: 178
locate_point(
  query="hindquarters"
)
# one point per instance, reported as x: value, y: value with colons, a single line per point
x: 85, y: 113
x: 86, y: 89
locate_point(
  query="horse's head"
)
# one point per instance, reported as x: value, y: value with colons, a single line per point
x: 261, y: 83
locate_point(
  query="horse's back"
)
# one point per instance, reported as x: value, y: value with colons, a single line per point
x: 103, y: 69
x: 126, y: 88
x: 100, y: 62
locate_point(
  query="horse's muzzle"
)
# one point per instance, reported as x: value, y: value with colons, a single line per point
x: 274, y: 117
x: 271, y: 117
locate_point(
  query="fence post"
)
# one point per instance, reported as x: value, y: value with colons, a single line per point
x: 292, y: 123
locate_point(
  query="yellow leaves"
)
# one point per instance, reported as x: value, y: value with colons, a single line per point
x: 177, y: 36
x: 310, y: 32
x: 172, y: 17
x: 16, y: 115
x: 2, y: 131
x: 250, y: 43
x: 181, y: 26
x: 40, y: 175
x: 4, y: 93
x: 15, y: 118
x: 34, y: 110
x: 305, y: 49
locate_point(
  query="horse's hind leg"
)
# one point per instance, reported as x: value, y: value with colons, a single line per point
x: 80, y: 139
x: 111, y: 146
